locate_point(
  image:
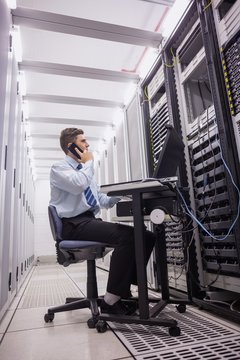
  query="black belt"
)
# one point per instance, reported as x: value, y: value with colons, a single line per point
x: 85, y: 214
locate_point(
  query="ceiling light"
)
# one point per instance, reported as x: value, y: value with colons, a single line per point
x: 12, y: 4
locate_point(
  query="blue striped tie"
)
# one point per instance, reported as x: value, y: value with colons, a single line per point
x: 88, y: 193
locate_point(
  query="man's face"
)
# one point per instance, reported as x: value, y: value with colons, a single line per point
x: 81, y: 141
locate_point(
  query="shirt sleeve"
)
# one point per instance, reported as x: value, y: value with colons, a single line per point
x: 107, y: 202
x: 66, y: 178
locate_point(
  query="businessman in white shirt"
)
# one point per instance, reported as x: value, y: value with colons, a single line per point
x: 78, y: 199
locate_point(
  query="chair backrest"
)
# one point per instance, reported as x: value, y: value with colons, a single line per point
x: 73, y: 251
x: 56, y: 228
x: 55, y: 223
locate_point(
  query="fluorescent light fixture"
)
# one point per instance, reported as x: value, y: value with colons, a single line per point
x: 147, y: 62
x: 16, y: 42
x: 173, y: 17
x: 12, y: 4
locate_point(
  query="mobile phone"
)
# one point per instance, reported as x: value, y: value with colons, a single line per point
x: 73, y: 151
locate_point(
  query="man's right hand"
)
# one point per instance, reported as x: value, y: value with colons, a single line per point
x: 86, y: 156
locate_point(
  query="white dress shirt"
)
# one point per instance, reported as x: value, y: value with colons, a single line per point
x: 67, y: 188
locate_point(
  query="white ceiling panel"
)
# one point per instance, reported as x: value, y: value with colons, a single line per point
x: 70, y: 111
x: 76, y: 50
x: 111, y: 11
x: 75, y: 87
x: 81, y: 80
x: 40, y: 139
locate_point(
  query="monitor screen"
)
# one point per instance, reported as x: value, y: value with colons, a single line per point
x: 170, y: 156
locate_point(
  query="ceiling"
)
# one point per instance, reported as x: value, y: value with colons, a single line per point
x: 81, y: 60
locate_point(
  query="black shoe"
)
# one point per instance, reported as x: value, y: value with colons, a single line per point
x: 129, y: 295
x: 131, y: 305
x: 119, y: 308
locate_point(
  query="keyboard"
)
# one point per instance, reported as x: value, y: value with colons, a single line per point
x: 138, y: 184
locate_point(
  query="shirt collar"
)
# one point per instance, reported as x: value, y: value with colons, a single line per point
x: 73, y: 163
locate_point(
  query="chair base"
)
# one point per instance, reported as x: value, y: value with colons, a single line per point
x: 81, y: 303
x: 75, y: 304
x: 73, y: 299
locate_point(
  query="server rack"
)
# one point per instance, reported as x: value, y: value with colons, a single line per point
x: 156, y: 114
x: 16, y: 178
x: 202, y: 109
x: 226, y: 18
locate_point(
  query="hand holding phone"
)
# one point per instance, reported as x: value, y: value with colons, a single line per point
x: 73, y: 147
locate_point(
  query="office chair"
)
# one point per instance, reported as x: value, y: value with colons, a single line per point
x: 73, y: 251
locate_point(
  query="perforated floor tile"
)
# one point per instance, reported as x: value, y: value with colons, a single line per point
x: 49, y: 292
x: 212, y: 350
x: 202, y: 337
x: 198, y: 334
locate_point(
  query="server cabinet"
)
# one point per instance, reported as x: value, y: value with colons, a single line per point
x: 135, y: 143
x: 8, y: 215
x: 5, y: 86
x: 16, y: 182
x: 226, y: 18
x: 156, y: 115
x: 201, y: 108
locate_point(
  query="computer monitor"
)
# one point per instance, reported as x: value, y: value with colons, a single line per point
x: 170, y: 156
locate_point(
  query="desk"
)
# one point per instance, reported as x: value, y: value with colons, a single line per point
x: 147, y: 316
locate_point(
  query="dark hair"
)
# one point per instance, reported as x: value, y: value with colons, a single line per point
x: 67, y: 136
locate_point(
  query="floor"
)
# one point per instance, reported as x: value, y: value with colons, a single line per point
x: 25, y: 336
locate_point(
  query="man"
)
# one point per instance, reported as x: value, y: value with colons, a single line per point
x: 77, y: 199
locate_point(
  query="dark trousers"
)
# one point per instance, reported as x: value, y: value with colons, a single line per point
x: 122, y: 272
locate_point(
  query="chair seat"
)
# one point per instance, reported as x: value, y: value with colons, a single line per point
x: 79, y: 244
x: 71, y: 252
x: 79, y: 250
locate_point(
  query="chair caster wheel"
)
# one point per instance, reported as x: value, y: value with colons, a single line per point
x: 174, y: 331
x: 48, y: 318
x: 92, y: 323
x: 181, y: 308
x: 101, y: 326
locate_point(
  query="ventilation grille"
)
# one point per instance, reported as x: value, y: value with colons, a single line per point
x: 238, y: 127
x: 212, y: 202
x: 200, y: 338
x: 158, y: 131
x: 216, y: 350
x: 47, y: 292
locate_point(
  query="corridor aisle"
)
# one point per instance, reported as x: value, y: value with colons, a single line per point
x: 25, y: 335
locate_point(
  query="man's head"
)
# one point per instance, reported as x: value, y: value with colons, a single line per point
x: 73, y: 135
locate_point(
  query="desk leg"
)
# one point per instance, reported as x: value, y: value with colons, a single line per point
x: 140, y: 251
x: 161, y: 262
